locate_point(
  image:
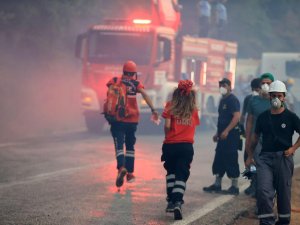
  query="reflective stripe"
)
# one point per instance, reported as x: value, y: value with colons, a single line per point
x: 284, y: 215
x: 120, y: 152
x: 129, y: 155
x: 131, y: 96
x: 170, y: 176
x: 266, y: 215
x: 178, y: 190
x: 171, y: 184
x: 180, y: 183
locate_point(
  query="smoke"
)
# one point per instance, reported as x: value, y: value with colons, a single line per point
x: 39, y: 98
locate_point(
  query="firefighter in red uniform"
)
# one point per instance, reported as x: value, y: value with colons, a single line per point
x: 181, y: 119
x: 123, y: 130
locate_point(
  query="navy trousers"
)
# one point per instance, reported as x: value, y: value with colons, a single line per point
x: 124, y: 133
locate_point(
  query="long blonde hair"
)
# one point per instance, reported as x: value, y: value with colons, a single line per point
x: 183, y: 101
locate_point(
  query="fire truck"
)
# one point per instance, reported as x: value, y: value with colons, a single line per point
x: 163, y: 55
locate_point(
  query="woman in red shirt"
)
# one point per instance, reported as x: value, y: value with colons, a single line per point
x: 181, y: 118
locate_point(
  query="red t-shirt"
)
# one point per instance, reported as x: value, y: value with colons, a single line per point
x: 131, y: 90
x: 182, y: 130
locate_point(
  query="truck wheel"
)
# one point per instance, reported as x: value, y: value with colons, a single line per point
x: 95, y: 122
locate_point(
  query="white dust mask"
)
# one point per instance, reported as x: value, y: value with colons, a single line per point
x: 255, y: 93
x: 265, y: 88
x: 276, y: 103
x: 223, y: 91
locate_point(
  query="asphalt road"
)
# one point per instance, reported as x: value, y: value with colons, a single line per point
x: 70, y: 179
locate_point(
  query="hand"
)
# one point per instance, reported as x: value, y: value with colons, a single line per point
x: 249, y: 161
x: 155, y: 115
x: 289, y: 152
x: 215, y: 138
x: 224, y: 135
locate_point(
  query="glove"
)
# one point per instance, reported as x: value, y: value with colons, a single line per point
x: 249, y: 172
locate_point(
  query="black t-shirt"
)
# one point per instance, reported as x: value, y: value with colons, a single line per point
x: 277, y: 130
x: 227, y: 107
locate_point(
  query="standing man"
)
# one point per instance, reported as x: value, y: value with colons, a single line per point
x: 227, y: 138
x: 256, y: 106
x: 275, y: 165
x: 123, y: 130
x: 256, y: 89
x: 204, y: 13
x: 221, y: 18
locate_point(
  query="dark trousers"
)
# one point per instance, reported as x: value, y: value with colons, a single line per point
x: 274, y: 176
x: 177, y: 160
x: 124, y: 133
x: 226, y: 156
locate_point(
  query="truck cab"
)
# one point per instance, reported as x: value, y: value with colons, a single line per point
x: 163, y: 56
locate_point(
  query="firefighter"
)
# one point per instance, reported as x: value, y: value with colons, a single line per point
x: 181, y: 119
x: 123, y: 130
x: 275, y: 165
x: 228, y: 140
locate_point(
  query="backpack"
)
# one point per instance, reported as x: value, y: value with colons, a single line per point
x: 114, y: 108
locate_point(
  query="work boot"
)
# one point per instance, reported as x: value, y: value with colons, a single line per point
x: 231, y: 191
x: 120, y: 178
x: 250, y: 190
x: 130, y: 177
x: 177, y: 211
x: 170, y: 207
x: 212, y: 188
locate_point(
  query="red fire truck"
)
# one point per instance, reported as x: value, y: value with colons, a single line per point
x: 163, y: 57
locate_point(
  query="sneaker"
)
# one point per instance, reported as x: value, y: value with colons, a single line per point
x: 232, y: 191
x: 130, y: 177
x: 212, y: 188
x: 120, y: 178
x: 170, y: 207
x: 177, y: 211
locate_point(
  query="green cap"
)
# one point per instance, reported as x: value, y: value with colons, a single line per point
x: 267, y: 76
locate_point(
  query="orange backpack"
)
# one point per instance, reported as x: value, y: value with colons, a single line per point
x: 114, y: 108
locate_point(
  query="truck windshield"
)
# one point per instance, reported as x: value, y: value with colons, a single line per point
x: 293, y: 69
x: 117, y: 47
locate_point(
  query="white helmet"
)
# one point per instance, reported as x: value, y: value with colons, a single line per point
x: 277, y: 86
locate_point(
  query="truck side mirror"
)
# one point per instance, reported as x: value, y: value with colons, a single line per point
x: 79, y: 45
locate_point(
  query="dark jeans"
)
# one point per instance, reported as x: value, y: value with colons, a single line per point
x: 124, y: 133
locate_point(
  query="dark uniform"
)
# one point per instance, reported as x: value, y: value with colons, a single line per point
x: 274, y: 170
x: 226, y: 157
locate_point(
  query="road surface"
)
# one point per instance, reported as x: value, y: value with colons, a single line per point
x: 70, y: 179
